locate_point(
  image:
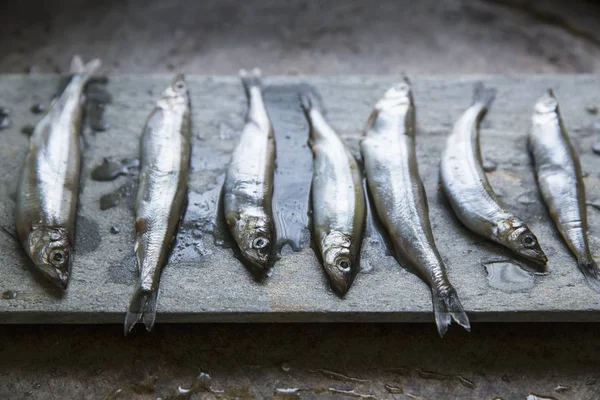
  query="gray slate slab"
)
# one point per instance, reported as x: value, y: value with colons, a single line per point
x: 205, y: 282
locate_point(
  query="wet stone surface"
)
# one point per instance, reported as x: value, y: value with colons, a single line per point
x: 205, y: 282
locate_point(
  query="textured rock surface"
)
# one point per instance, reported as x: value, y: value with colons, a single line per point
x: 204, y: 282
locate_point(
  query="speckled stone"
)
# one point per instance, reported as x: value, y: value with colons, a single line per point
x: 205, y: 282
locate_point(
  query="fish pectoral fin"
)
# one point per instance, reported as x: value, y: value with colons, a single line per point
x: 447, y: 307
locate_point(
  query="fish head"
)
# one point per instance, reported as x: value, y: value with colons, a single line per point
x: 50, y: 250
x: 398, y: 95
x: 522, y: 241
x: 177, y: 91
x: 339, y: 261
x: 253, y: 236
x: 547, y: 104
x: 393, y: 111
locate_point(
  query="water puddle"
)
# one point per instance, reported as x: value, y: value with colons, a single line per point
x: 38, y: 108
x: 110, y: 168
x: 508, y: 277
x: 293, y: 172
x: 5, y: 121
x: 533, y: 396
x: 9, y: 295
x: 97, y: 98
x: 116, y: 197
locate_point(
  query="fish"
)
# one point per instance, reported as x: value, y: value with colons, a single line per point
x: 248, y: 185
x: 399, y: 197
x: 338, y: 200
x: 560, y: 180
x: 469, y: 192
x: 48, y: 186
x: 161, y: 201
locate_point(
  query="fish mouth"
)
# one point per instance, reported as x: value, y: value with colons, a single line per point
x: 539, y: 259
x: 58, y: 277
x: 340, y: 283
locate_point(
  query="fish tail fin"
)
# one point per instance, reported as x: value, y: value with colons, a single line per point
x: 251, y: 79
x: 306, y: 101
x: 85, y: 71
x: 142, y: 308
x: 590, y: 270
x: 447, y: 307
x: 482, y: 95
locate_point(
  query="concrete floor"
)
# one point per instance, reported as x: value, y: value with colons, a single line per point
x: 253, y: 361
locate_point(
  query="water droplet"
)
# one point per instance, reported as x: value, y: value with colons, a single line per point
x: 562, y: 389
x: 508, y: 277
x: 592, y: 109
x: 28, y: 130
x: 393, y: 389
x: 338, y: 376
x: 37, y: 386
x: 37, y: 108
x: 466, y: 382
x: 351, y: 393
x: 9, y: 295
x: 286, y: 367
x: 533, y: 396
x: 596, y: 147
x: 114, y: 230
x: 527, y: 198
x: 489, y: 166
x: 4, y: 118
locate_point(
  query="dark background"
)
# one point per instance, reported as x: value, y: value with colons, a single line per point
x: 302, y: 37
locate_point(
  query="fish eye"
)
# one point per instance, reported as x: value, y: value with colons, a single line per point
x: 528, y: 241
x: 56, y: 256
x: 343, y: 264
x: 260, y: 243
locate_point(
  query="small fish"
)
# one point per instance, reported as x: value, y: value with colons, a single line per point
x: 559, y: 176
x: 400, y: 200
x: 162, y: 195
x: 248, y: 186
x: 49, y: 181
x: 469, y: 192
x: 338, y: 200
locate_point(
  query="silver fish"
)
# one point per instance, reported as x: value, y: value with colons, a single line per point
x: 469, y: 192
x: 338, y: 201
x: 390, y: 159
x: 161, y: 196
x: 49, y: 181
x: 559, y: 177
x: 248, y: 186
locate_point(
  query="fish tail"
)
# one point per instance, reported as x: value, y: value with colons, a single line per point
x: 482, y: 95
x: 306, y: 101
x: 142, y: 307
x: 84, y: 71
x: 447, y: 307
x: 251, y: 79
x: 590, y: 270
